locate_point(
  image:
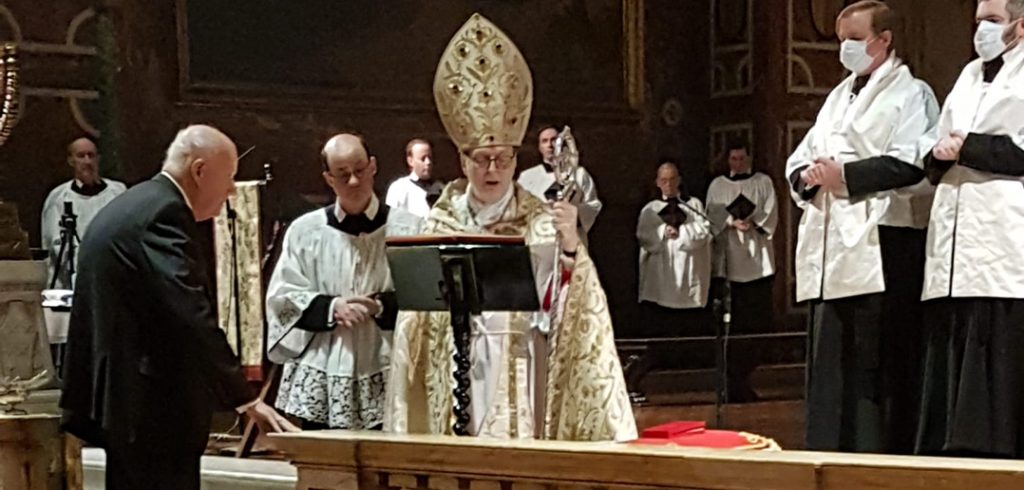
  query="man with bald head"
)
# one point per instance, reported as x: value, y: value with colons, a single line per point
x: 147, y: 364
x: 87, y: 194
x: 330, y: 302
x: 675, y: 258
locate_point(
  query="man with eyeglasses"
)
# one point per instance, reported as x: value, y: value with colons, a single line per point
x: 330, y: 305
x: 519, y: 391
x: 974, y: 271
x: 858, y: 177
x: 675, y: 259
x: 540, y: 181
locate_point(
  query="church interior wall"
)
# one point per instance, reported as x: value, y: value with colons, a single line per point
x: 284, y: 77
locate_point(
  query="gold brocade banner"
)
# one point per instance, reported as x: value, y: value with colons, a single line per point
x: 238, y: 266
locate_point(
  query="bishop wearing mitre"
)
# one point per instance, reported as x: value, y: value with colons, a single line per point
x: 551, y: 374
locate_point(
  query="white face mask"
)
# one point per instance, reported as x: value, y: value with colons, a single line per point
x: 854, y: 56
x: 988, y: 40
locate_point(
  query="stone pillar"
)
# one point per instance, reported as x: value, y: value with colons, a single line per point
x: 25, y: 350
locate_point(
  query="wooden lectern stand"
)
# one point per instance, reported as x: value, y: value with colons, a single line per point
x: 464, y: 275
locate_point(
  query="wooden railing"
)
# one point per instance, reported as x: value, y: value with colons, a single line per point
x: 379, y: 461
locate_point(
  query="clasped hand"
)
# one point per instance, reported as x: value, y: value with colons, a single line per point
x: 948, y: 148
x: 825, y: 172
x: 349, y: 312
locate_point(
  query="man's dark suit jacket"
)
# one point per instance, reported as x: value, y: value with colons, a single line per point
x: 145, y: 359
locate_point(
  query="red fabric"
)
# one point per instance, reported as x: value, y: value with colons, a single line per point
x: 566, y: 276
x: 253, y: 373
x: 672, y: 429
x: 691, y: 434
x: 716, y: 439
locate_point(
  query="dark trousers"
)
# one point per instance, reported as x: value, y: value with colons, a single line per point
x: 661, y: 321
x: 752, y: 311
x: 158, y: 459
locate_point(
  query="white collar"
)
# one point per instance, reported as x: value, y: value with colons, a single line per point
x: 81, y: 185
x: 176, y: 184
x: 370, y: 212
x: 413, y: 177
x: 488, y: 214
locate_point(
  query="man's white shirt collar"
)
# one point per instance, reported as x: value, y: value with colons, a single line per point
x: 370, y: 212
x: 176, y: 184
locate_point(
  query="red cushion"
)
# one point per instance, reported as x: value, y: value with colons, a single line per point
x: 673, y: 429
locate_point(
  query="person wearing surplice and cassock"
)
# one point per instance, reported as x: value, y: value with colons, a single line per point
x: 484, y: 94
x: 974, y: 272
x: 540, y: 181
x: 330, y: 305
x: 419, y: 190
x: 87, y: 193
x: 743, y: 210
x: 675, y: 260
x: 858, y: 177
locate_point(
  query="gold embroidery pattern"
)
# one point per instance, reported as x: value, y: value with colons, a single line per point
x: 483, y: 88
x: 586, y: 393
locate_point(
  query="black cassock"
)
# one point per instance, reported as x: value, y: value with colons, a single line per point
x: 973, y: 387
x: 146, y: 363
x: 864, y: 352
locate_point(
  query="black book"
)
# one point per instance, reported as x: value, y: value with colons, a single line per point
x: 741, y: 207
x: 551, y: 194
x: 672, y: 215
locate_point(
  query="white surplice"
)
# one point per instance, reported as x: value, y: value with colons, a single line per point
x: 838, y: 253
x: 674, y: 272
x: 85, y: 208
x: 976, y: 230
x: 407, y: 193
x: 538, y: 180
x: 336, y: 376
x: 743, y: 256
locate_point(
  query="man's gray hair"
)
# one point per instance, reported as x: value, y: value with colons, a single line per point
x: 192, y: 141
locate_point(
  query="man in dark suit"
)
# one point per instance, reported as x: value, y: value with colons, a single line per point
x: 146, y: 363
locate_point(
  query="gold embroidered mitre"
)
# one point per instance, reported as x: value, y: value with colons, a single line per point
x: 483, y: 88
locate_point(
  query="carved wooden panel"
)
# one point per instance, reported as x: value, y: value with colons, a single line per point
x: 360, y: 54
x: 732, y: 26
x: 56, y: 68
x: 812, y: 49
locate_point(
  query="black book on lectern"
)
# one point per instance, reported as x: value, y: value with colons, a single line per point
x: 496, y: 272
x: 741, y: 207
x: 672, y: 215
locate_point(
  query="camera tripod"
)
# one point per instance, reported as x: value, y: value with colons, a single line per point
x: 68, y: 244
